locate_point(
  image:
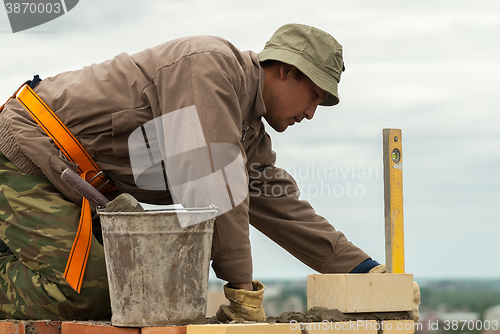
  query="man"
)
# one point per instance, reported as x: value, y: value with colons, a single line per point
x: 101, y: 105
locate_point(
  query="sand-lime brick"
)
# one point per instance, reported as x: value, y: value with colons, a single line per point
x: 355, y: 293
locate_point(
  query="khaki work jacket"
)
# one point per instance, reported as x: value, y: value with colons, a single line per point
x: 103, y: 103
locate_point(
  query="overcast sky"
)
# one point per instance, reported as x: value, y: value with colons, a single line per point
x: 428, y: 67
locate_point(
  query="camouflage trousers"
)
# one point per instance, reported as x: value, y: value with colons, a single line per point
x: 39, y: 225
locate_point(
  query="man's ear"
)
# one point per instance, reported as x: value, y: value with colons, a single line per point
x: 286, y: 70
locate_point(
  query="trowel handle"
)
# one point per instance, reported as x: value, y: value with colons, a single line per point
x: 83, y: 188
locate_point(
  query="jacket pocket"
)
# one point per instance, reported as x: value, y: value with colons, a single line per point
x: 123, y: 122
x: 60, y: 162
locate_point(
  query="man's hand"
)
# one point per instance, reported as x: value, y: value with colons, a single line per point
x: 416, y: 292
x: 416, y: 303
x: 245, y: 286
x: 380, y: 269
x: 244, y: 305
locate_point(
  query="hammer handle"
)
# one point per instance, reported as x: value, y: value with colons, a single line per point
x: 83, y: 188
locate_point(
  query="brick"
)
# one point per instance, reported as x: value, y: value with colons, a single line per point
x: 353, y: 327
x: 239, y: 329
x: 164, y: 330
x: 95, y: 328
x: 12, y: 327
x: 286, y: 328
x: 45, y: 327
x: 355, y: 293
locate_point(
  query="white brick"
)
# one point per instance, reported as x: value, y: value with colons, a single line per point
x: 355, y: 293
x: 365, y: 327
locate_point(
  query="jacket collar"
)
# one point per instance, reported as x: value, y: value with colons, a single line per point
x: 255, y: 86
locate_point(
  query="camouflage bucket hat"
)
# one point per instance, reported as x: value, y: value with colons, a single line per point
x: 314, y: 52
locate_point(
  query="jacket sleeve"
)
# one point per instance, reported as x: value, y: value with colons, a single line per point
x: 214, y: 83
x: 277, y: 212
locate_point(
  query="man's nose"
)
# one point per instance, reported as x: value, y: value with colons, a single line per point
x: 309, y: 113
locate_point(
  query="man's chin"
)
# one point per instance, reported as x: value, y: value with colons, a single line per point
x: 281, y: 129
x: 278, y: 127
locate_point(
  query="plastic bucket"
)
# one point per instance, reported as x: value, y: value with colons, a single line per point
x: 157, y: 270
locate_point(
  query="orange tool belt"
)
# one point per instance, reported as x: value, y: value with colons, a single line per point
x: 87, y: 168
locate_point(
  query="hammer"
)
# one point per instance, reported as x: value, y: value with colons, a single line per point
x: 122, y: 203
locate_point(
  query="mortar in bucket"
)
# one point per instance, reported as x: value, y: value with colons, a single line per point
x: 157, y: 270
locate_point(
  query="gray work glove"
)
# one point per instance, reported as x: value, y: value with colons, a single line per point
x: 416, y: 303
x: 416, y: 293
x: 243, y: 305
x: 378, y: 269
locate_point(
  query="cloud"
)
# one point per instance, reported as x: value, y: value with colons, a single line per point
x: 428, y: 67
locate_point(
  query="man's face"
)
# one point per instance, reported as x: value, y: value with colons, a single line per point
x: 290, y: 98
